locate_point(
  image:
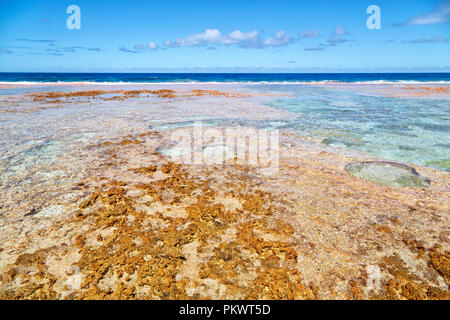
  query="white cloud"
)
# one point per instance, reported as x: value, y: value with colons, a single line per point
x: 310, y: 34
x: 242, y: 39
x: 427, y: 40
x: 140, y: 48
x: 320, y: 47
x: 440, y: 15
x: 279, y: 40
x: 210, y: 36
x: 340, y: 31
x: 152, y: 46
x: 335, y: 39
x: 238, y: 36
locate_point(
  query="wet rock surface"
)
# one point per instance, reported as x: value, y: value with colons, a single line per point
x: 388, y: 173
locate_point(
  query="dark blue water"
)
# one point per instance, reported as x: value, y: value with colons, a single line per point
x: 223, y: 77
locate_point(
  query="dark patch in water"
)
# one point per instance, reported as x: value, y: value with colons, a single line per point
x: 405, y: 134
x: 394, y: 127
x: 407, y: 148
x: 388, y: 173
x: 443, y: 145
x: 433, y: 127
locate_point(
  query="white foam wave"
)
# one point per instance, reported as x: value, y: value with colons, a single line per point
x: 109, y: 83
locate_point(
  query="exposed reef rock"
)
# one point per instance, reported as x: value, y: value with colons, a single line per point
x: 151, y: 228
x: 109, y: 210
x: 122, y: 95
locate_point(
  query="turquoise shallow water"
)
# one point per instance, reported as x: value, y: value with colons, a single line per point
x: 414, y: 130
x: 411, y: 130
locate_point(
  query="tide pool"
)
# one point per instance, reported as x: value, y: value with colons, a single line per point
x: 405, y: 129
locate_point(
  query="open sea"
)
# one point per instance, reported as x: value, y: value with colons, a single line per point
x: 225, y: 77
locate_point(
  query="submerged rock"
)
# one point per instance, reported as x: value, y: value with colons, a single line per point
x: 179, y: 152
x: 184, y: 124
x: 388, y: 173
x: 342, y: 143
x: 440, y: 164
x: 217, y: 153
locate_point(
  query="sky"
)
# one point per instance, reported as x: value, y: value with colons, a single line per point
x: 224, y: 36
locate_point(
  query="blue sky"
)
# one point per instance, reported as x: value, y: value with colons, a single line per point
x: 225, y: 36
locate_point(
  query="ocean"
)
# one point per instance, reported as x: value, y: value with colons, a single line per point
x: 226, y: 77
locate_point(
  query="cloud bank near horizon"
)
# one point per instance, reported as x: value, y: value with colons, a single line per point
x: 246, y: 40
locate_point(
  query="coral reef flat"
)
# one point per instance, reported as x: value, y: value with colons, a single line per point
x: 102, y: 196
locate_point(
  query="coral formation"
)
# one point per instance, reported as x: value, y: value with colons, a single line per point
x: 122, y: 95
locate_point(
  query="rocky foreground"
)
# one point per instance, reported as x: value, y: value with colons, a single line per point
x: 151, y: 228
x: 102, y: 209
